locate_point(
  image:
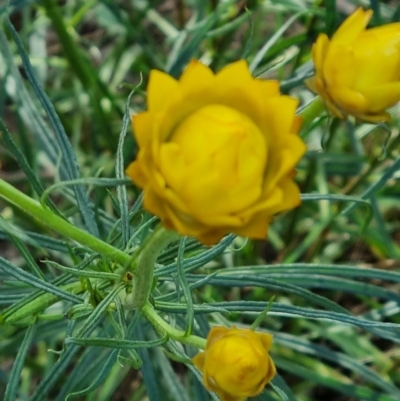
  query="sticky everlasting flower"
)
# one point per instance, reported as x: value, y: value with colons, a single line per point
x: 216, y: 151
x: 357, y: 72
x: 236, y: 364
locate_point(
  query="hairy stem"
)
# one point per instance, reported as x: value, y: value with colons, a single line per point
x: 165, y: 328
x: 46, y: 218
x: 143, y: 266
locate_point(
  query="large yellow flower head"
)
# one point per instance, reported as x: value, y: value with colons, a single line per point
x: 236, y: 363
x: 357, y: 72
x: 216, y: 151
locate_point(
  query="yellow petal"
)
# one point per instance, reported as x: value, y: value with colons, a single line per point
x: 283, y: 161
x: 173, y: 165
x: 235, y: 72
x: 231, y: 158
x: 341, y: 73
x: 374, y: 118
x: 348, y: 99
x: 269, y: 201
x: 310, y: 83
x: 135, y: 172
x: 143, y: 127
x: 382, y: 96
x: 216, y: 333
x: 271, y: 371
x: 297, y: 122
x: 198, y: 360
x: 161, y: 90
x: 229, y: 397
x: 197, y: 85
x: 266, y: 340
x: 319, y: 51
x: 387, y: 36
x: 278, y: 120
x: 292, y: 195
x: 249, y: 100
x: 269, y: 88
x: 153, y: 203
x: 238, y: 89
x: 376, y: 67
x: 257, y: 227
x: 195, y: 77
x: 352, y: 27
x: 211, y: 237
x: 332, y: 107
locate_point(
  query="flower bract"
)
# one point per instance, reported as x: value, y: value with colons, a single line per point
x: 216, y: 151
x: 357, y: 71
x: 236, y: 363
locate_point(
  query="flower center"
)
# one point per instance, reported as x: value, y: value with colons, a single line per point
x: 225, y: 155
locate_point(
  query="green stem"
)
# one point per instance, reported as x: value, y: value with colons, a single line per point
x: 47, y: 218
x: 143, y: 266
x: 166, y: 329
x: 312, y: 111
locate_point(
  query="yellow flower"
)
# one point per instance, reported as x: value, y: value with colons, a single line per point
x: 357, y: 72
x: 216, y: 151
x: 236, y: 363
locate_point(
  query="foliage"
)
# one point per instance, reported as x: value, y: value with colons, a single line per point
x: 72, y: 225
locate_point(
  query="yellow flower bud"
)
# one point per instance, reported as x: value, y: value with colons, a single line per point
x: 236, y: 363
x: 357, y: 72
x: 216, y: 152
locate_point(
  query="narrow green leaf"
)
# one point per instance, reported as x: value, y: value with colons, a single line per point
x: 147, y: 369
x: 304, y: 346
x: 173, y: 383
x: 27, y: 108
x: 28, y: 278
x: 195, y: 262
x: 361, y: 393
x: 30, y: 261
x: 120, y: 174
x: 87, y: 369
x: 100, y: 378
x: 385, y: 330
x: 185, y: 286
x: 115, y: 342
x: 386, y: 175
x: 24, y: 165
x: 46, y: 298
x: 262, y: 315
x: 84, y: 273
x: 279, y: 391
x: 272, y: 40
x: 101, y: 182
x: 15, y: 375
x: 177, y: 350
x: 279, y: 382
x: 330, y: 17
x: 96, y: 315
x: 221, y: 279
x: 66, y: 149
x: 176, y: 65
x: 54, y: 374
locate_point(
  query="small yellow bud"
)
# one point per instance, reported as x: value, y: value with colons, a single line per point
x: 236, y: 363
x: 357, y: 71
